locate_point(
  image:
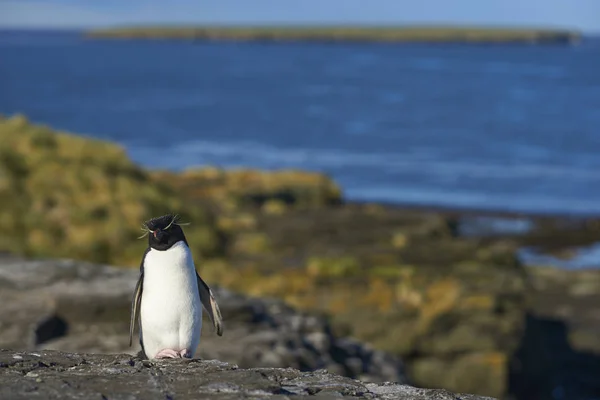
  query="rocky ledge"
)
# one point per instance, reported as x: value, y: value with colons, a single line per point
x: 72, y: 306
x: 59, y: 375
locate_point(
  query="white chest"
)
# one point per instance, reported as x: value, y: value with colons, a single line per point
x: 171, y: 312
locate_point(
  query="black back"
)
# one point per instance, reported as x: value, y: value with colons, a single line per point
x: 164, y: 232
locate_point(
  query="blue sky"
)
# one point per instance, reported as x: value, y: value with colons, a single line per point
x: 579, y: 14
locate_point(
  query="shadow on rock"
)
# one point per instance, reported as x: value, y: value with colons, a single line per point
x: 50, y: 328
x: 546, y: 367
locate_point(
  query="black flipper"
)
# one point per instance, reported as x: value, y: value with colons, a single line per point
x: 210, y: 304
x: 136, y: 301
x: 135, y: 306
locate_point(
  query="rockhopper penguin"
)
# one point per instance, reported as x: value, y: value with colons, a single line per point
x: 170, y: 294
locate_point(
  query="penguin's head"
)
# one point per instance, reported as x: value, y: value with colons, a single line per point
x: 163, y: 232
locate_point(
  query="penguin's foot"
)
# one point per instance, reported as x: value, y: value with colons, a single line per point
x: 168, y: 353
x: 185, y: 353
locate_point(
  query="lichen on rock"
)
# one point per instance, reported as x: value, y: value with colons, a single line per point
x: 59, y: 375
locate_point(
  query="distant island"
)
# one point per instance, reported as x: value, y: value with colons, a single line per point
x: 343, y: 34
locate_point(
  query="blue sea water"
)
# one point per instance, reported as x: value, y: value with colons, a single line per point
x: 506, y: 127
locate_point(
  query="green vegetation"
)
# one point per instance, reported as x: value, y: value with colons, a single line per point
x: 237, y: 188
x: 342, y: 33
x: 63, y: 195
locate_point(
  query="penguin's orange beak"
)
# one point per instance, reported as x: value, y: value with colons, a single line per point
x: 155, y: 233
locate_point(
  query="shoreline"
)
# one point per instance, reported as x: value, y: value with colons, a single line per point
x: 446, y: 210
x: 237, y: 199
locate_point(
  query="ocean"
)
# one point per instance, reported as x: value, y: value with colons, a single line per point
x: 494, y: 127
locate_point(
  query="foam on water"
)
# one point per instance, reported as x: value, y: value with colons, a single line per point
x: 584, y: 257
x: 409, y: 161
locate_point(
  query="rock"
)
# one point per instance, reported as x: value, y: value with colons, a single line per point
x: 58, y: 375
x: 82, y: 307
x: 441, y: 302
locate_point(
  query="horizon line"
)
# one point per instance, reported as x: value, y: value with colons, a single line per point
x: 300, y: 25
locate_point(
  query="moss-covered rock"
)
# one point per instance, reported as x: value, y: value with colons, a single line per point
x: 333, y: 268
x: 441, y: 301
x: 273, y: 190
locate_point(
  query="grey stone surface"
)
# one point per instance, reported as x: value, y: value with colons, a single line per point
x: 50, y: 374
x: 80, y: 307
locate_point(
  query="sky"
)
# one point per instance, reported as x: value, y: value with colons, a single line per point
x: 583, y: 15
